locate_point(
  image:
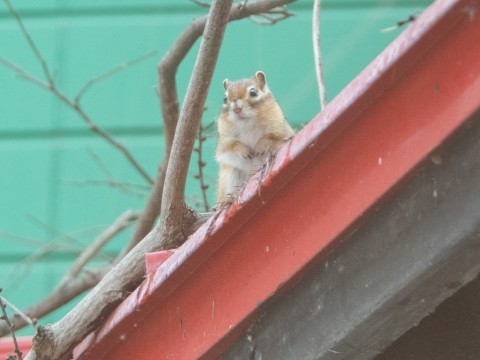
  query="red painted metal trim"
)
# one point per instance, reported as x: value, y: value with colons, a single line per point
x: 7, y: 347
x: 154, y: 260
x: 390, y: 118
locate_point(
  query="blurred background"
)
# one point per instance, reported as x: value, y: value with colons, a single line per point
x: 61, y: 185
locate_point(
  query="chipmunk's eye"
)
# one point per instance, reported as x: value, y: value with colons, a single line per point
x: 225, y: 99
x: 253, y: 92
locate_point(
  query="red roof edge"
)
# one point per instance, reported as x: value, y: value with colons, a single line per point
x: 391, y: 117
x: 7, y: 346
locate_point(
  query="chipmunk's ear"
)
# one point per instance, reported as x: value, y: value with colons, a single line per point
x: 225, y: 83
x: 261, y: 79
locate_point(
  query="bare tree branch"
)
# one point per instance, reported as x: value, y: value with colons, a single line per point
x: 201, y: 164
x: 175, y: 210
x: 122, y: 222
x: 318, y: 54
x: 58, y: 244
x: 65, y: 294
x: 11, y: 327
x: 169, y: 105
x: 102, y: 133
x: 201, y: 3
x: 153, y: 207
x: 57, y: 341
x: 72, y: 284
x: 17, y: 311
x: 72, y: 104
x: 51, y: 87
x: 272, y: 17
x: 111, y: 181
x: 111, y: 288
x: 59, y: 236
x: 57, y: 298
x: 114, y: 286
x: 30, y: 41
x: 168, y: 66
x: 34, y: 242
x: 128, y: 188
x: 24, y: 74
x: 110, y: 73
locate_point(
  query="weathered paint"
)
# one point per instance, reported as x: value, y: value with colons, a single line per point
x: 416, y: 93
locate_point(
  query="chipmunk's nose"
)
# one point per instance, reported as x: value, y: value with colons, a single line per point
x: 237, y: 106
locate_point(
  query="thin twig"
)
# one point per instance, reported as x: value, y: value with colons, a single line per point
x: 24, y: 74
x: 35, y: 243
x: 17, y: 311
x: 108, y: 174
x: 399, y: 24
x: 30, y: 41
x: 244, y: 3
x: 77, y: 286
x: 11, y: 327
x: 201, y: 164
x: 102, y: 133
x: 201, y: 3
x: 58, y: 297
x: 152, y: 208
x: 83, y: 115
x: 115, y: 285
x: 122, y: 222
x: 17, y: 274
x: 133, y: 189
x: 318, y: 54
x: 169, y: 104
x: 269, y: 18
x: 59, y: 235
x: 112, y: 72
x: 70, y: 289
x: 272, y: 17
x: 73, y: 104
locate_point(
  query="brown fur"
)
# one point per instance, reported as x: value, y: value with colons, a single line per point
x: 238, y: 137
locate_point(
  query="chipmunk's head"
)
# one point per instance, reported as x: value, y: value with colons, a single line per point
x: 244, y: 97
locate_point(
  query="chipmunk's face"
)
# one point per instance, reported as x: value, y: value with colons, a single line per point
x: 243, y: 96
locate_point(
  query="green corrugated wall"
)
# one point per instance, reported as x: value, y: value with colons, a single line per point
x: 53, y: 167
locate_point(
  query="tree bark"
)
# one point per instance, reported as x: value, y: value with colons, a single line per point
x: 169, y: 104
x: 56, y: 342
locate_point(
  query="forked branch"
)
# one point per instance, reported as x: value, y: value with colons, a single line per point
x: 171, y: 219
x: 51, y: 86
x: 78, y: 279
x: 79, y: 284
x: 168, y: 96
x: 57, y: 341
x: 111, y: 73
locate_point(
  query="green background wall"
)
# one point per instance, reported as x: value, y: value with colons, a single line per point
x: 45, y: 147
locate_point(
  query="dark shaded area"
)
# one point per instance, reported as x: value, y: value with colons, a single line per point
x: 402, y: 260
x: 451, y: 332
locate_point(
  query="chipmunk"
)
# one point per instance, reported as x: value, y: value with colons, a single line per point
x: 251, y: 128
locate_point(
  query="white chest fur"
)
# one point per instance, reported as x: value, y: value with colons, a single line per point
x: 248, y: 132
